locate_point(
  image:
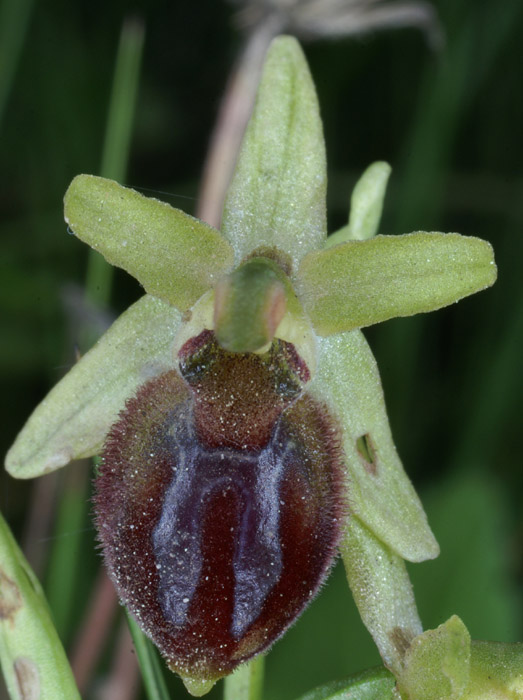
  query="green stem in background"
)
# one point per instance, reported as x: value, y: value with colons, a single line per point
x: 71, y: 517
x: 150, y: 667
x: 14, y: 20
x: 117, y: 141
x: 246, y: 683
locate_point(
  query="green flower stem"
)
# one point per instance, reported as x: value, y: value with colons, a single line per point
x: 117, y: 141
x: 31, y: 654
x: 246, y: 683
x: 150, y: 665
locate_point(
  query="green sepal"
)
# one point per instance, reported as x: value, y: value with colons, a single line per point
x: 74, y: 418
x: 366, y: 206
x: 379, y: 491
x: 360, y: 283
x: 32, y: 657
x: 249, y: 305
x: 437, y: 663
x: 277, y: 194
x: 373, y: 684
x: 173, y: 255
x: 382, y: 592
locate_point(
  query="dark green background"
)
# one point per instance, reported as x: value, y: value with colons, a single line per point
x: 450, y: 125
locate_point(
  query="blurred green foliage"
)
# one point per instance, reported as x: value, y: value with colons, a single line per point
x: 450, y: 125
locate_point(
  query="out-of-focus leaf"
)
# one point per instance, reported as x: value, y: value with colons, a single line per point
x: 173, y: 255
x: 73, y: 420
x: 364, y: 282
x: 32, y: 656
x: 374, y: 684
x: 380, y: 493
x: 277, y: 195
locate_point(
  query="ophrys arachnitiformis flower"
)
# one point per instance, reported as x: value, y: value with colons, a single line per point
x: 237, y: 406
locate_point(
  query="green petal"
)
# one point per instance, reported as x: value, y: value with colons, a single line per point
x: 437, y: 664
x: 33, y: 660
x: 366, y: 206
x: 360, y: 283
x: 277, y: 195
x: 382, y: 591
x: 174, y: 256
x: 73, y: 420
x: 380, y: 493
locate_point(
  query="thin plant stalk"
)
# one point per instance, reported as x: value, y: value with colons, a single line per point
x: 246, y: 683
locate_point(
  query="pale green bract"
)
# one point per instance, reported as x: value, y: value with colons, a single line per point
x: 290, y: 282
x: 32, y: 657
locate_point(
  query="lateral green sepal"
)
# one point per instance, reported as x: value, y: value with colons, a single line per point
x: 379, y: 492
x: 74, y: 418
x: 33, y: 660
x: 173, y: 255
x: 360, y: 283
x: 382, y: 591
x: 277, y: 194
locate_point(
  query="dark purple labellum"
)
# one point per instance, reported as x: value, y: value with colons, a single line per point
x: 218, y: 504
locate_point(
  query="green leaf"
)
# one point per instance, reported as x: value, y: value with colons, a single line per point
x: 366, y: 206
x: 374, y: 684
x: 382, y: 591
x: 74, y: 418
x: 380, y: 493
x: 173, y: 255
x: 32, y: 656
x: 277, y: 195
x: 364, y: 282
x: 437, y: 664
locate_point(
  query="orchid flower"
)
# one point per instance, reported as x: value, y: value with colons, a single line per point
x: 237, y: 407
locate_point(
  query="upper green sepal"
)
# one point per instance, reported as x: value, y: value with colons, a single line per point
x: 173, y: 255
x: 277, y: 195
x: 359, y: 283
x: 32, y: 657
x: 74, y: 418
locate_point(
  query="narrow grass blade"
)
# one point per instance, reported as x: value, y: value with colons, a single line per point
x: 14, y: 19
x: 117, y: 139
x: 150, y: 666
